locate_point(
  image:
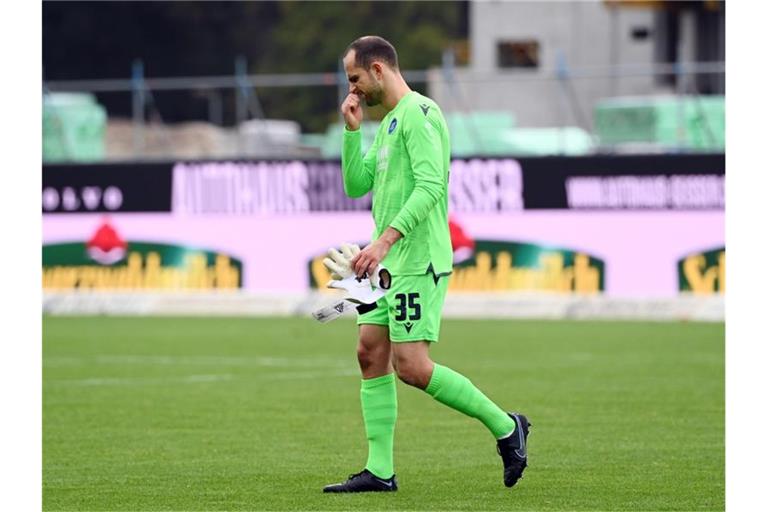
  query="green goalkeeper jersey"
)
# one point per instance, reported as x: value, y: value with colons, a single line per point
x: 407, y: 168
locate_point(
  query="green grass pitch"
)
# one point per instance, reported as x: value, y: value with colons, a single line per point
x: 259, y: 414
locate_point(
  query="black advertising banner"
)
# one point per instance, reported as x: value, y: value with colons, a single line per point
x: 84, y: 188
x: 300, y: 186
x: 476, y: 185
x: 625, y: 182
x: 261, y: 187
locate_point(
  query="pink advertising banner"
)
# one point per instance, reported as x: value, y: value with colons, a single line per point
x: 637, y: 251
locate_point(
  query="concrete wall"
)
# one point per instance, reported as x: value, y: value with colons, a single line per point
x: 586, y: 34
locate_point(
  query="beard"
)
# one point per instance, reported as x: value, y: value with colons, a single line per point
x: 374, y: 97
x: 372, y: 101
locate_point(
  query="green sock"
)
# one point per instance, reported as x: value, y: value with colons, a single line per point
x: 456, y: 391
x: 378, y: 397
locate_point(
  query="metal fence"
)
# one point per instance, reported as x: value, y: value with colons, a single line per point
x: 248, y: 106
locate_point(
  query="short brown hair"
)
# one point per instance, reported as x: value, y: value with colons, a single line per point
x: 371, y: 48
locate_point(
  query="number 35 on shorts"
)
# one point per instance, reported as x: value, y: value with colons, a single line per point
x: 407, y: 307
x: 412, y: 309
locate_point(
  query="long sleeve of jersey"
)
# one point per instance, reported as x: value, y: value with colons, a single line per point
x: 423, y: 144
x: 358, y: 171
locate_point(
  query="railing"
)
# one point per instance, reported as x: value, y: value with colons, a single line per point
x: 248, y: 106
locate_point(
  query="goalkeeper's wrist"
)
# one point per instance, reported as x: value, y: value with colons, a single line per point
x: 390, y: 236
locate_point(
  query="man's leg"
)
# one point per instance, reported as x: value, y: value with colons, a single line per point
x: 414, y: 366
x: 414, y: 324
x: 449, y: 387
x: 378, y: 398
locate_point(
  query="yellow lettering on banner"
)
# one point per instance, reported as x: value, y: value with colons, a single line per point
x: 320, y: 274
x: 701, y: 279
x: 520, y: 279
x: 85, y: 278
x: 482, y: 272
x: 101, y: 279
x: 134, y: 271
x: 586, y: 279
x: 552, y: 275
x: 64, y: 277
x: 226, y: 275
x: 197, y: 270
x: 176, y: 278
x: 137, y: 274
x: 152, y: 270
x: 503, y: 271
x: 567, y: 281
x: 117, y: 276
x: 721, y: 271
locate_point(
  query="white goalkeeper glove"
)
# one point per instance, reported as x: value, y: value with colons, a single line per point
x: 364, y: 290
x: 359, y: 292
x: 340, y: 263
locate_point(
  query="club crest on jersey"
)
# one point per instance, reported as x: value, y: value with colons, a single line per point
x: 392, y: 126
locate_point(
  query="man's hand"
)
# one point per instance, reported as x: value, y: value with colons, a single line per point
x: 366, y: 261
x: 352, y: 111
x: 358, y: 290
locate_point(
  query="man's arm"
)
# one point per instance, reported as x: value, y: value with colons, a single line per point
x: 422, y: 140
x: 358, y: 172
x: 369, y: 258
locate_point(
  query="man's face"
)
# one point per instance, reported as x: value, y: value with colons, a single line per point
x: 363, y: 82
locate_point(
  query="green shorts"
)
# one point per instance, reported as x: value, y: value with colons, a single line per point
x: 411, y: 309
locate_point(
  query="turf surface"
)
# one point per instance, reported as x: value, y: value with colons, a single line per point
x: 255, y: 414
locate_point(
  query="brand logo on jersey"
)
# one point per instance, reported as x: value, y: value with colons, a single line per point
x: 424, y: 108
x: 392, y: 126
x: 408, y: 326
x: 382, y: 158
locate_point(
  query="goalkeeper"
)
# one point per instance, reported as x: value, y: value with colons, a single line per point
x: 407, y: 169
